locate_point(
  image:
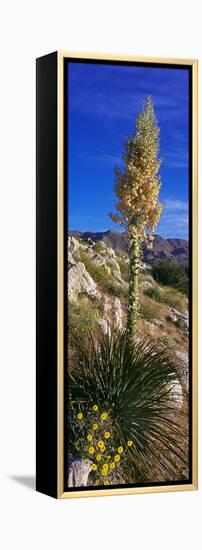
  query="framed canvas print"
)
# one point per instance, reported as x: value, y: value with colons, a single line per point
x: 116, y: 275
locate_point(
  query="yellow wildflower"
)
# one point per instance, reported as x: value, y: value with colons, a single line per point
x: 91, y: 450
x: 107, y: 435
x: 97, y: 482
x: 100, y: 443
x: 117, y: 458
x: 89, y: 437
x: 104, y: 472
x: 94, y: 426
x: 120, y: 450
x: 80, y: 416
x: 94, y: 467
x: 106, y: 482
x: 104, y: 416
x: 98, y: 457
x: 112, y: 465
x: 130, y: 443
x: 95, y: 408
x: 105, y: 466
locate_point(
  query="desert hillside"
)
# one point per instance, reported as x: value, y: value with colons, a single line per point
x: 174, y: 250
x: 98, y: 285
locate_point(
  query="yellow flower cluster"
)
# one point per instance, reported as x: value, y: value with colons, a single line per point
x: 106, y: 458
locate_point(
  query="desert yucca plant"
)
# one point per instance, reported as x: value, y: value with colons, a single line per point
x: 133, y: 386
x: 137, y: 187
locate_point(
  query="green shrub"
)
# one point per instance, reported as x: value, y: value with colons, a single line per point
x: 98, y: 247
x: 169, y: 298
x: 85, y: 242
x: 110, y: 264
x: 124, y: 267
x: 172, y: 299
x: 82, y: 317
x: 169, y: 274
x: 154, y: 294
x: 166, y: 341
x: 149, y: 310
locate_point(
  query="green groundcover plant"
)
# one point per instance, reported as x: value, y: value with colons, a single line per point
x: 124, y: 413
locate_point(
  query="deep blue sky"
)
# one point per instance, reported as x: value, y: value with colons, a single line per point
x: 103, y: 102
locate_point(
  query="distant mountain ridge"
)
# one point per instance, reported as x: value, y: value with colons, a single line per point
x: 175, y: 250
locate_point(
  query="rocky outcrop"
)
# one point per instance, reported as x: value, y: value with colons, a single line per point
x: 112, y: 314
x: 99, y: 260
x: 105, y: 327
x: 178, y: 318
x: 107, y: 258
x: 118, y: 314
x: 78, y: 472
x: 72, y: 245
x: 80, y: 281
x: 183, y: 365
x: 176, y: 392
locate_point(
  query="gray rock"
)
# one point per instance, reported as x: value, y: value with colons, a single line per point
x: 104, y: 325
x: 183, y: 363
x: 105, y: 306
x: 183, y: 323
x: 178, y: 318
x: 177, y: 393
x: 79, y: 280
x: 71, y: 260
x: 110, y: 252
x: 78, y: 472
x: 99, y: 260
x: 72, y: 245
x: 118, y: 316
x: 157, y: 322
x: 112, y: 315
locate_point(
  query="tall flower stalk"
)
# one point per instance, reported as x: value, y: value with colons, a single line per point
x: 137, y: 188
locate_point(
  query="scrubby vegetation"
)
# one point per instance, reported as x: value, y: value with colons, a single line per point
x: 169, y: 274
x: 171, y: 297
x: 82, y: 318
x: 149, y: 310
x: 124, y: 267
x: 98, y: 247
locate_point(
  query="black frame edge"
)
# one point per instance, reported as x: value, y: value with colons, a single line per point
x: 46, y: 274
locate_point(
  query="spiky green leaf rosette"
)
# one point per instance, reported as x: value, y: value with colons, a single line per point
x: 122, y: 403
